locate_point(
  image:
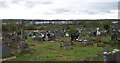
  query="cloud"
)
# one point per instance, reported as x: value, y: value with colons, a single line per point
x: 28, y: 3
x: 59, y: 9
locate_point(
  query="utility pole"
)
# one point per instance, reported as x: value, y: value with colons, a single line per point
x: 21, y: 36
x: 0, y: 32
x: 21, y: 30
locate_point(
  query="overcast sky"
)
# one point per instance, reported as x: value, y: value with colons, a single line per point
x: 59, y: 9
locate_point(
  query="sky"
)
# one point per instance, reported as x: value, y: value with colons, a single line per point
x: 59, y: 9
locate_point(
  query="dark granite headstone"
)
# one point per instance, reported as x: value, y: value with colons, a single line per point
x: 5, y: 51
x: 113, y: 56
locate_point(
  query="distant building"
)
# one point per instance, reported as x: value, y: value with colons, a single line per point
x: 28, y: 31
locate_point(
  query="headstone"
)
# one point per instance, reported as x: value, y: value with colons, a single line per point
x: 46, y: 38
x: 74, y: 36
x: 53, y: 36
x: 113, y: 56
x: 67, y: 35
x: 62, y: 33
x: 116, y: 55
x: 107, y: 57
x: 5, y: 51
x: 58, y: 33
x: 97, y: 31
x: 66, y: 45
x: 118, y: 41
x: 114, y: 37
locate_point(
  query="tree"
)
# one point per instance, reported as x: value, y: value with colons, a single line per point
x: 106, y: 27
x: 10, y: 27
x: 31, y: 27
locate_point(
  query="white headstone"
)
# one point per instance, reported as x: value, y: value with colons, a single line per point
x: 67, y: 35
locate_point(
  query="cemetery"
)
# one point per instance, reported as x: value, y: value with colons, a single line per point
x: 61, y: 40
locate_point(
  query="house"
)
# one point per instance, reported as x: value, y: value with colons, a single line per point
x: 32, y: 32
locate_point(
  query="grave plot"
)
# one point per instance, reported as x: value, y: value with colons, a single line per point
x: 12, y: 42
x: 66, y: 45
x: 44, y: 36
x: 85, y: 39
x: 52, y: 51
x: 37, y: 39
x: 87, y: 43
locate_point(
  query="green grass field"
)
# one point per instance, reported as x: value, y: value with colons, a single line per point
x: 51, y: 51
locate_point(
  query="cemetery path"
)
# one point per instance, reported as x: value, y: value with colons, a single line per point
x: 7, y: 59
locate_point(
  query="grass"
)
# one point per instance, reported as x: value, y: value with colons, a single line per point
x: 106, y: 38
x: 8, y: 56
x: 51, y: 51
